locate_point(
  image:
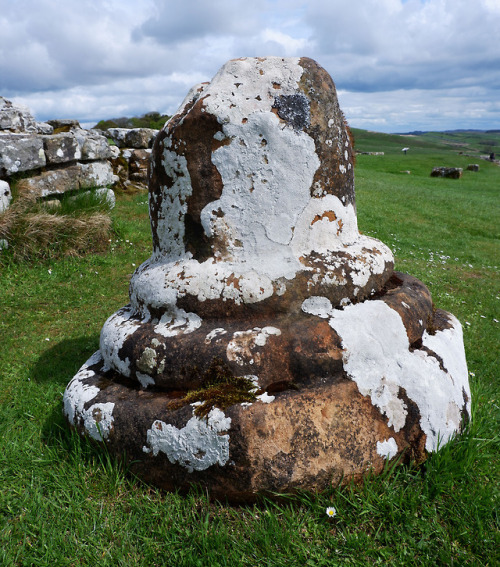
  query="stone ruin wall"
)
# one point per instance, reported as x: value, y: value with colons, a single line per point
x: 50, y: 159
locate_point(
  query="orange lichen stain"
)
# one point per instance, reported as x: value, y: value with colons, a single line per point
x: 276, y: 85
x: 234, y: 281
x: 332, y: 217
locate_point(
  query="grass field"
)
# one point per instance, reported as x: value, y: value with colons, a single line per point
x: 62, y: 502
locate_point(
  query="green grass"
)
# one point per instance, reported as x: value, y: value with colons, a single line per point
x: 64, y: 502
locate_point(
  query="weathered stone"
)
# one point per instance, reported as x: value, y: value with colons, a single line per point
x: 138, y: 166
x: 5, y: 196
x: 97, y: 174
x: 140, y: 138
x: 117, y: 135
x: 44, y: 128
x: 61, y: 148
x: 268, y: 346
x: 473, y: 167
x: 20, y: 152
x: 450, y: 172
x: 93, y: 145
x: 71, y: 178
x: 16, y: 118
x: 64, y: 124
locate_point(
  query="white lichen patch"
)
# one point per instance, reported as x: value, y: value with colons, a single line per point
x: 317, y: 305
x: 177, y: 322
x: 200, y: 444
x: 98, y: 418
x: 377, y: 357
x: 387, y: 448
x: 265, y: 398
x: 320, y: 232
x: 170, y: 227
x: 159, y: 284
x: 218, y: 332
x: 448, y: 344
x: 266, y: 186
x: 242, y: 347
x: 144, y: 379
x: 114, y: 333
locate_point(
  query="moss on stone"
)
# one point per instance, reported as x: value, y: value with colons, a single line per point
x: 220, y: 388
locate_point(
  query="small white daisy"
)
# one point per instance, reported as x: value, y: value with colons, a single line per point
x: 331, y: 512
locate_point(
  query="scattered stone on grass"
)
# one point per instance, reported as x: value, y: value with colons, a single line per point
x: 450, y: 172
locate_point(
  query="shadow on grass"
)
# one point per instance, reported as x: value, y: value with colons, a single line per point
x: 55, y: 368
x: 59, y: 364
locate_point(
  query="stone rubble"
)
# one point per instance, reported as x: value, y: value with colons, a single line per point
x: 450, y: 172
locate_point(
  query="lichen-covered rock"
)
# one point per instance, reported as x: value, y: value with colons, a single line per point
x: 93, y: 145
x: 140, y: 138
x: 268, y: 346
x: 71, y: 178
x: 117, y: 135
x: 64, y: 125
x: 16, y: 118
x: 20, y: 152
x: 137, y: 138
x: 61, y: 148
x: 5, y: 196
x: 138, y: 164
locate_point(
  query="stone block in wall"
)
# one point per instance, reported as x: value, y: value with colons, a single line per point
x: 5, y: 196
x: 93, y: 145
x: 117, y: 135
x: 18, y: 119
x: 63, y: 125
x: 15, y: 118
x: 71, y: 178
x: 61, y: 148
x: 138, y: 166
x: 20, y: 152
x: 44, y: 128
x: 138, y: 138
x: 97, y: 174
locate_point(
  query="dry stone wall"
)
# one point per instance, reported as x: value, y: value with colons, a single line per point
x: 50, y: 159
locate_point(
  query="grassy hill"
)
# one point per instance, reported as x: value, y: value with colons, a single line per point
x: 153, y: 120
x: 470, y: 142
x: 64, y: 502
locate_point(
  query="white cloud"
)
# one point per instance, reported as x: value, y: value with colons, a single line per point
x: 427, y: 64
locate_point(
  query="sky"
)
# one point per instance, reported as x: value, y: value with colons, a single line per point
x: 398, y: 65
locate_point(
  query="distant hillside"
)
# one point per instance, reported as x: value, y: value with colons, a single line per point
x: 149, y: 120
x: 473, y: 142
